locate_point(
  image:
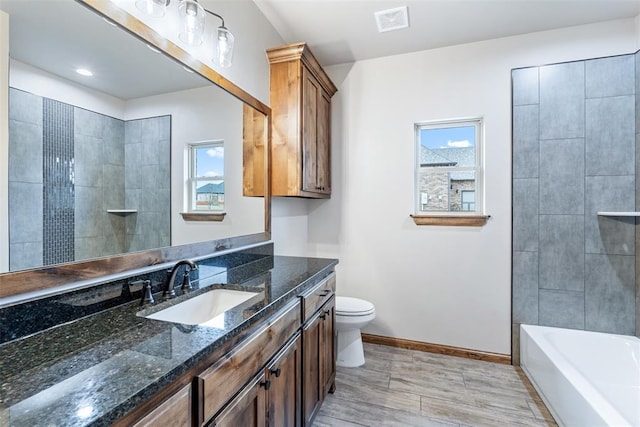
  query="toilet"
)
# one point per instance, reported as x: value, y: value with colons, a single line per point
x: 352, y: 314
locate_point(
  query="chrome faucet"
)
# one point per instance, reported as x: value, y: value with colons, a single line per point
x: 169, y: 292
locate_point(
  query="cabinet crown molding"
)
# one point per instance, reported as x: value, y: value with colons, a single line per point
x: 301, y: 51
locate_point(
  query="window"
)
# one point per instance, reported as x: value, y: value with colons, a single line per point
x: 206, y: 176
x: 449, y: 167
x: 468, y: 200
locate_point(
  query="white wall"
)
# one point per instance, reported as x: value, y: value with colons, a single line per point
x: 4, y: 141
x: 445, y: 285
x: 38, y: 82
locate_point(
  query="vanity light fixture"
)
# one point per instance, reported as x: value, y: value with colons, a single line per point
x: 155, y: 8
x: 191, y: 26
x: 84, y: 72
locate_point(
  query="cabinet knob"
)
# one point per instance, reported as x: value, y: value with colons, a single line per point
x: 275, y: 372
x: 327, y: 312
x: 266, y: 384
x: 325, y: 293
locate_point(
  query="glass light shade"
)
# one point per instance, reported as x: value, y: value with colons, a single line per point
x: 155, y: 8
x: 191, y: 22
x: 224, y: 47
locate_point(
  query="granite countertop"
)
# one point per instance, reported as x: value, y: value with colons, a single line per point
x: 95, y: 369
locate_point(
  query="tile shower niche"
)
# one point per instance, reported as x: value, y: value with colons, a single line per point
x: 82, y: 184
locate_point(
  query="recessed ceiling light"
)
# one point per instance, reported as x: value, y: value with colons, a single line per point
x: 153, y: 48
x: 392, y: 19
x: 84, y: 72
x: 188, y: 70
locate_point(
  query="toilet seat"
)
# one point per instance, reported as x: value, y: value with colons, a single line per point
x: 348, y: 306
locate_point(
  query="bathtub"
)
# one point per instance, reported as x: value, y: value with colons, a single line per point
x: 585, y: 378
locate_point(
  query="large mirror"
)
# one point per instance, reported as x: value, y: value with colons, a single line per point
x: 98, y: 165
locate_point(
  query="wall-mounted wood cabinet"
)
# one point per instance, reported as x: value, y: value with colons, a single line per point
x: 300, y: 97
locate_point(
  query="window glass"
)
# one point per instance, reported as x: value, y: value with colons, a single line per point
x: 448, y: 167
x: 206, y: 180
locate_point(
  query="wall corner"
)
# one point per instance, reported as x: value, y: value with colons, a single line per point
x: 637, y: 31
x: 4, y: 140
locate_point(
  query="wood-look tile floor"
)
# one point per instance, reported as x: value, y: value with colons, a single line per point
x: 398, y: 387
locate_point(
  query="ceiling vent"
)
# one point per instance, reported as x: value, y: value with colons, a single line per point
x: 392, y: 19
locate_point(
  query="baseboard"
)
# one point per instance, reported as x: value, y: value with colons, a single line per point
x: 437, y: 348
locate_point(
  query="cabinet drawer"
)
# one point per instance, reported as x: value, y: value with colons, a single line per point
x: 221, y: 381
x: 313, y: 299
x: 173, y: 412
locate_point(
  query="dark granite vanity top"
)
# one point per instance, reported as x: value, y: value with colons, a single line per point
x: 95, y: 369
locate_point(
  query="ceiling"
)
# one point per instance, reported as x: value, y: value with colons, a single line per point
x: 338, y: 31
x: 342, y: 31
x: 41, y: 36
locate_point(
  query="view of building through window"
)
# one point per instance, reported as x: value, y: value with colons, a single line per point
x: 207, y: 176
x: 448, y: 164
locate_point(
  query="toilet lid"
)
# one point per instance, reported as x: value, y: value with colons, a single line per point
x: 347, y: 306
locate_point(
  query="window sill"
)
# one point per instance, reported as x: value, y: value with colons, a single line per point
x: 451, y: 220
x: 203, y: 216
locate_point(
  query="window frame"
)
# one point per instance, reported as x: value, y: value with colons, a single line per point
x: 442, y: 217
x: 192, y: 179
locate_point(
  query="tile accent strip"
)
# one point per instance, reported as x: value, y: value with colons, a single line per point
x: 58, y: 188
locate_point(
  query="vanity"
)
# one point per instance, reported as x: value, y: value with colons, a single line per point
x: 269, y: 360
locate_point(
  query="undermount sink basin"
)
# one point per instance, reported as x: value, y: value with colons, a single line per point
x: 204, y: 309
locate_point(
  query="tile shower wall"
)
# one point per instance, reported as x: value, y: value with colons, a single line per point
x: 637, y: 265
x: 99, y: 183
x: 147, y: 146
x: 25, y: 180
x: 68, y: 166
x: 574, y: 154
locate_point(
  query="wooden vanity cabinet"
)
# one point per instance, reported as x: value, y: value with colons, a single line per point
x: 318, y: 348
x: 218, y: 384
x: 272, y: 397
x: 276, y: 376
x: 300, y: 97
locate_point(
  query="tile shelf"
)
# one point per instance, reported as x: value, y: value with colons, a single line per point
x: 618, y: 213
x: 122, y: 211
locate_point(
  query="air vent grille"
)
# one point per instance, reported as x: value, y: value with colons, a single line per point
x: 392, y: 19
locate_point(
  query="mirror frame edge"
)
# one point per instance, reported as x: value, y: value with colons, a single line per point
x: 12, y: 284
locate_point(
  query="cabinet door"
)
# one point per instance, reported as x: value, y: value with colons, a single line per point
x: 323, y: 144
x: 284, y: 394
x: 311, y: 92
x: 328, y: 347
x: 247, y: 409
x: 311, y: 384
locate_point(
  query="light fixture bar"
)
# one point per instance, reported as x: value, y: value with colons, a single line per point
x: 191, y: 15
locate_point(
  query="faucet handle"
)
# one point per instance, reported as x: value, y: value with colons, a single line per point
x: 186, y: 282
x: 147, y: 296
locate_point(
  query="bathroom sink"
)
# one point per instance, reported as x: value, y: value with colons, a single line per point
x: 204, y: 309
